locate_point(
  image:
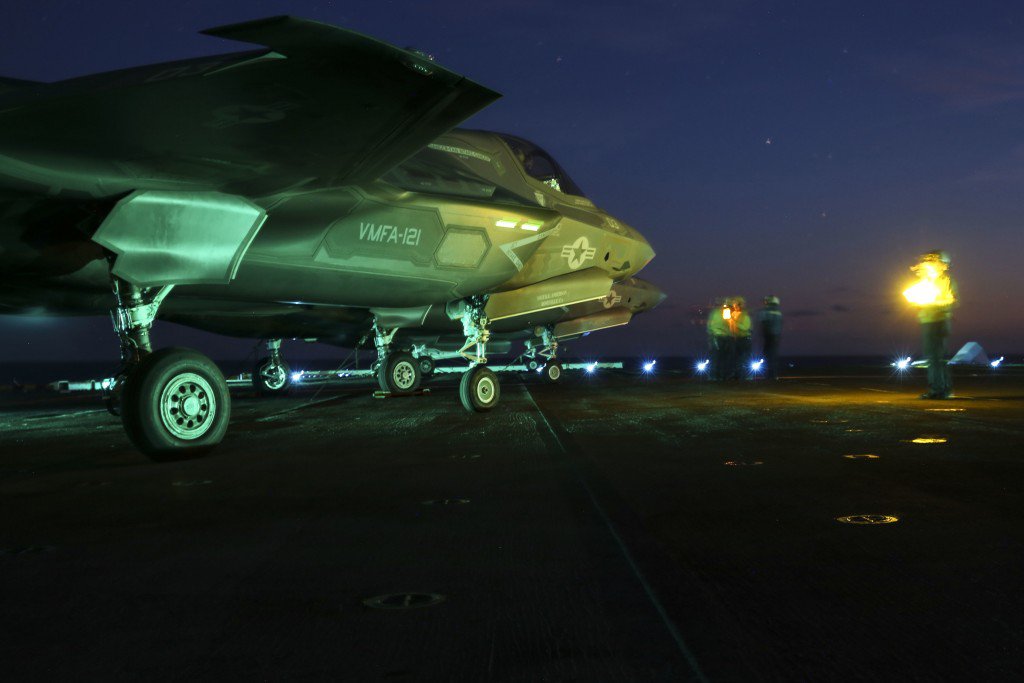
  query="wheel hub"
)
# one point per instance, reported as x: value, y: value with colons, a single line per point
x: 191, y: 406
x: 485, y: 390
x: 404, y: 375
x: 187, y: 406
x: 274, y: 377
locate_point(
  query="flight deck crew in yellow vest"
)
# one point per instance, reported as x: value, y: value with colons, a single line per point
x: 740, y: 328
x: 935, y: 295
x: 721, y: 347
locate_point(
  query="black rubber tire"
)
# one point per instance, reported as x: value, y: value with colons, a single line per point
x: 143, y: 413
x: 112, y: 394
x: 553, y: 371
x: 399, y: 373
x: 263, y: 385
x: 479, y: 389
x: 427, y: 366
x: 113, y: 405
x: 532, y: 365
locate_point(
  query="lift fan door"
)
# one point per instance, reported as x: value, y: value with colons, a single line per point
x: 179, y: 238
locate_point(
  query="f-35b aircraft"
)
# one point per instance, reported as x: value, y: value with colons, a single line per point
x: 314, y: 188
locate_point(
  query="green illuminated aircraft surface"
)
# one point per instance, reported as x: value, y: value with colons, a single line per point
x: 315, y: 188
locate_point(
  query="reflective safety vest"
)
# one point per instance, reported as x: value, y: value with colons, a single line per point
x: 739, y: 325
x: 944, y: 311
x: 718, y: 326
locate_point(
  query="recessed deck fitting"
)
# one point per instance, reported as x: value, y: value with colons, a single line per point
x: 868, y: 519
x: 404, y: 600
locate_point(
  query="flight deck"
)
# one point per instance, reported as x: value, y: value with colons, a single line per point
x: 618, y: 526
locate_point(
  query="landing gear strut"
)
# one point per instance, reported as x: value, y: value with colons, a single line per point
x: 132, y: 318
x: 174, y: 403
x: 271, y: 376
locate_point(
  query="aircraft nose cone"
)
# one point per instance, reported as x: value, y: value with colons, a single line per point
x: 646, y: 253
x: 655, y: 295
x: 641, y: 295
x: 637, y: 252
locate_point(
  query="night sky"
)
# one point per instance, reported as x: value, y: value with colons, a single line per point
x: 806, y: 149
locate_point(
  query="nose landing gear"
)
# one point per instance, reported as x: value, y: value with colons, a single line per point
x: 542, y: 355
x: 271, y: 376
x: 479, y: 389
x: 553, y: 370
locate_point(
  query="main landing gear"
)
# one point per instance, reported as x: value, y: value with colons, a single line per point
x: 402, y: 371
x: 398, y: 372
x: 174, y: 403
x: 271, y: 376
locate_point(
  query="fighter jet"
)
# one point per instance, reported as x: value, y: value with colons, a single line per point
x: 314, y: 188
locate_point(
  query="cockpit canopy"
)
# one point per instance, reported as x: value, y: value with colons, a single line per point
x: 540, y: 165
x: 468, y: 163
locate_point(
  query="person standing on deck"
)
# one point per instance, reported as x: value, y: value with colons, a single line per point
x: 935, y: 295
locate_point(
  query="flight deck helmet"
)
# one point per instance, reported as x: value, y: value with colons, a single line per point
x: 936, y: 255
x: 932, y: 264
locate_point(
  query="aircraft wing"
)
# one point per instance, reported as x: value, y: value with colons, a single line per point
x: 320, y: 104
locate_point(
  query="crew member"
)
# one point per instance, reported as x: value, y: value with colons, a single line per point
x: 721, y: 347
x: 739, y: 328
x: 935, y: 295
x: 770, y: 320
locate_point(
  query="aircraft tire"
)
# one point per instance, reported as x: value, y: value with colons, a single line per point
x: 175, y: 405
x: 113, y: 405
x: 553, y: 371
x: 479, y: 389
x: 269, y: 380
x: 112, y: 394
x: 399, y: 373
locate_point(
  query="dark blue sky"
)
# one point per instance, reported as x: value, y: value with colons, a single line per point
x: 807, y: 149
